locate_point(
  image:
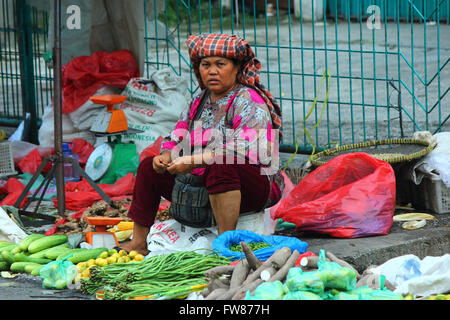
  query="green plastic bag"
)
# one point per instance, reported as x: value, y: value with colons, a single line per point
x: 301, y: 295
x: 267, y: 291
x: 297, y: 280
x: 366, y: 293
x: 58, y: 274
x: 124, y: 160
x: 336, y: 276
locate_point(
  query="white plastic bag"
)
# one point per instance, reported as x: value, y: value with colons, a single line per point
x: 258, y: 222
x: 410, y: 275
x: 46, y: 131
x: 171, y: 236
x: 83, y: 117
x: 9, y: 230
x: 154, y: 106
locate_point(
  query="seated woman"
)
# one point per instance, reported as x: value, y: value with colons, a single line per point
x: 235, y: 123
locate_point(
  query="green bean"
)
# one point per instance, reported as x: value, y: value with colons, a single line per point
x: 253, y: 245
x: 155, y: 275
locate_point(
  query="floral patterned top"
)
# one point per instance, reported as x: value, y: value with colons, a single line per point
x: 237, y: 125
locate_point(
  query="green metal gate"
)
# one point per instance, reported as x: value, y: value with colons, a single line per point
x: 26, y: 82
x: 388, y: 62
x: 381, y: 67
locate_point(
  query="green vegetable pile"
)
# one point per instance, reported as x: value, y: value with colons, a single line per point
x: 253, y: 245
x: 157, y: 275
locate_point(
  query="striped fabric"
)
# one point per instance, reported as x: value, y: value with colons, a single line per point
x: 233, y: 47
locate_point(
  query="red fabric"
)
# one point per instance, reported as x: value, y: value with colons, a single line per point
x: 12, y: 188
x: 31, y: 162
x: 150, y: 186
x: 233, y: 47
x: 83, y: 76
x: 81, y: 195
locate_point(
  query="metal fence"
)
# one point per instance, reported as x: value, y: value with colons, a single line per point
x: 381, y: 67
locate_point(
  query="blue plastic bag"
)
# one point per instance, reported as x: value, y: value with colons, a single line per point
x: 223, y: 242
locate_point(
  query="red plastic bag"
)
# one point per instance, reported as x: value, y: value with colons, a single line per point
x: 31, y: 162
x: 353, y: 195
x: 84, y: 75
x: 152, y: 150
x: 13, y: 188
x: 83, y: 149
x: 80, y: 194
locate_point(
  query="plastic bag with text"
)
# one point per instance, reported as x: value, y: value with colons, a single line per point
x: 352, y: 195
x: 171, y: 236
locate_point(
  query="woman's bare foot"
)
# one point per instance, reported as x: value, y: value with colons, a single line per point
x: 138, y: 247
x: 139, y: 241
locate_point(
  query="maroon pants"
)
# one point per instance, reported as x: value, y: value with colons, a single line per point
x: 217, y: 178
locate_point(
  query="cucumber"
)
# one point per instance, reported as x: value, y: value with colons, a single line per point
x: 47, y: 242
x: 41, y: 254
x: 8, y: 257
x: 30, y: 267
x: 54, y: 252
x: 5, y: 243
x: 36, y: 270
x: 85, y: 255
x: 20, y: 257
x: 19, y: 267
x: 16, y: 250
x: 8, y: 248
x: 4, y: 266
x: 64, y: 254
x: 28, y: 240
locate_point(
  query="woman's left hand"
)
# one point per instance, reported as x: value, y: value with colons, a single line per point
x: 181, y: 165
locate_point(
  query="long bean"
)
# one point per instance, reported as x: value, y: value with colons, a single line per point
x: 155, y: 275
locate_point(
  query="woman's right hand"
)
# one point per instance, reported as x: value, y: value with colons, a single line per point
x: 161, y: 162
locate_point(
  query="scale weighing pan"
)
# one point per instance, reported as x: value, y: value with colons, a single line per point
x: 114, y: 120
x: 108, y: 99
x: 102, y: 238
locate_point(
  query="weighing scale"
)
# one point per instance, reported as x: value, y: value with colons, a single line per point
x: 113, y: 120
x: 102, y: 238
x: 112, y: 123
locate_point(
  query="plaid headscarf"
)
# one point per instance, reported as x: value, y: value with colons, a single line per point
x: 232, y: 47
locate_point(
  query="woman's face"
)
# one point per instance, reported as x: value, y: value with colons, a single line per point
x: 219, y: 75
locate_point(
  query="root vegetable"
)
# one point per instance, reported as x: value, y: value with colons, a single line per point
x: 279, y: 258
x: 252, y: 260
x: 216, y: 284
x: 243, y: 289
x: 309, y: 262
x: 253, y: 279
x: 216, y: 293
x: 281, y: 274
x: 240, y: 273
x: 268, y: 273
x: 216, y: 272
x: 205, y: 292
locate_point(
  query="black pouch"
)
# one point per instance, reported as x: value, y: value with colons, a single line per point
x: 190, y: 202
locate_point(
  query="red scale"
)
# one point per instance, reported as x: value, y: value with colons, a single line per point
x: 100, y: 238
